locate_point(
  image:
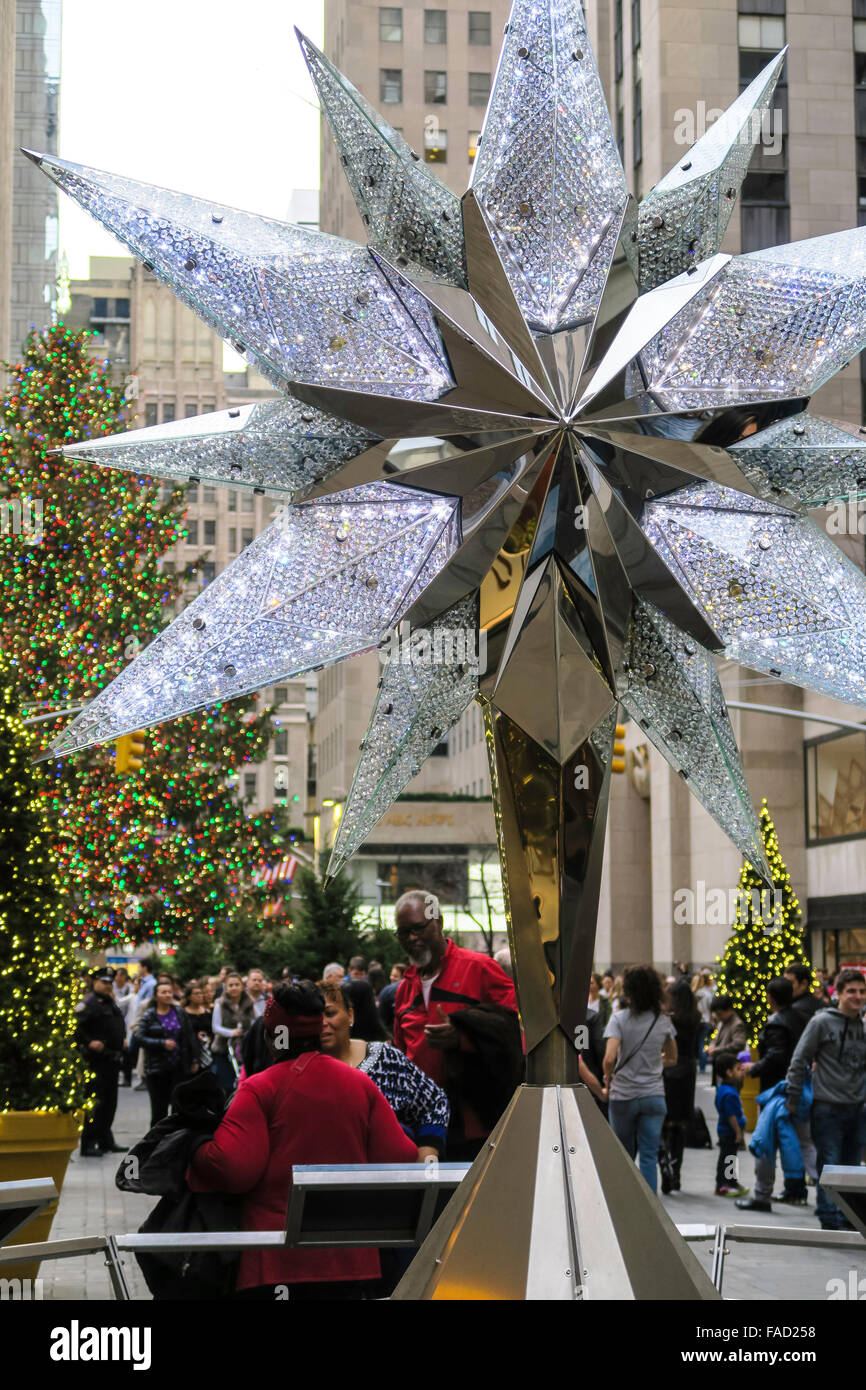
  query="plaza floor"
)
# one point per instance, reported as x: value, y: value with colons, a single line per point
x: 91, y: 1204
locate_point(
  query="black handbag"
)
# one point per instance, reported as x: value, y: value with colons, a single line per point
x: 697, y: 1136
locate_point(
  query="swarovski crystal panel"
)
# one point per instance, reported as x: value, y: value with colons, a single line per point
x: 671, y: 689
x: 411, y: 216
x: 276, y: 446
x: 783, y: 597
x: 312, y: 308
x: 816, y: 460
x: 772, y: 324
x: 430, y: 677
x: 684, y: 217
x: 547, y: 175
x: 325, y: 580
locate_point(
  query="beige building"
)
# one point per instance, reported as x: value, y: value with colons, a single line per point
x: 668, y: 69
x: 7, y: 146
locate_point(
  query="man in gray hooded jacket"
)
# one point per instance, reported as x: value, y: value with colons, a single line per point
x: 835, y: 1040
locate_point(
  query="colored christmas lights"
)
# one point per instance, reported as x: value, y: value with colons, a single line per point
x: 767, y: 935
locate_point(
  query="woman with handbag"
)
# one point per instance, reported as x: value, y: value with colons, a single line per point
x: 170, y: 1049
x: 306, y: 1108
x: 233, y: 1016
x: 640, y: 1042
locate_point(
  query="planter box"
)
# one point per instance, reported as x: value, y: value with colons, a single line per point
x: 36, y: 1144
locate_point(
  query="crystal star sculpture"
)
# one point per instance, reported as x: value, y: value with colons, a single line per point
x: 536, y: 419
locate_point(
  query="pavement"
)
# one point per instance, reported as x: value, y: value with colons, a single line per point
x: 91, y: 1204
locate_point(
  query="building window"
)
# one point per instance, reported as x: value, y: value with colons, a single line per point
x: 435, y: 88
x: 190, y: 410
x: 210, y: 533
x: 281, y: 694
x: 168, y: 412
x: 250, y: 786
x: 208, y: 494
x: 860, y: 52
x: 100, y: 309
x: 435, y: 26
x: 233, y: 539
x: 472, y: 144
x: 390, y: 24
x: 765, y: 215
x: 192, y: 533
x: 761, y: 31
x: 635, y: 25
x: 248, y: 502
x: 150, y: 413
x: 246, y: 537
x: 233, y: 502
x: 637, y: 125
x: 167, y: 566
x: 620, y: 128
x: 190, y: 492
x: 436, y: 146
x: 390, y: 86
x: 207, y: 572
x: 617, y: 40
x: 121, y: 308
x: 281, y: 743
x: 836, y: 787
x: 479, y: 88
x: 479, y: 27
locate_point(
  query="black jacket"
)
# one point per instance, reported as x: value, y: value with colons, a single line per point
x: 100, y: 1021
x: 485, y: 1075
x: 776, y: 1042
x: 159, y: 1059
x: 808, y: 1006
x: 157, y: 1166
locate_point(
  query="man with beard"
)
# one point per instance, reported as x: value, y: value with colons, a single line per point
x: 456, y: 1018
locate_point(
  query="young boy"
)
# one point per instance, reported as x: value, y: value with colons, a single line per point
x: 732, y: 1122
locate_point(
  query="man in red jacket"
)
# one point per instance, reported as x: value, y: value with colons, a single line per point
x: 444, y: 979
x: 306, y: 1108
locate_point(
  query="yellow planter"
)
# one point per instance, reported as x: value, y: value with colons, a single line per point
x: 751, y: 1090
x: 36, y: 1144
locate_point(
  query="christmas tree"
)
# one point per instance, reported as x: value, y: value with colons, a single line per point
x: 40, y: 1068
x: 163, y: 850
x: 326, y: 927
x: 767, y: 935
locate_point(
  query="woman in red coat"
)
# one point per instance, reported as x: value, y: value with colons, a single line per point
x: 306, y: 1108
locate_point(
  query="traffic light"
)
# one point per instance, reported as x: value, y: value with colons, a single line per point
x: 129, y: 753
x: 617, y: 762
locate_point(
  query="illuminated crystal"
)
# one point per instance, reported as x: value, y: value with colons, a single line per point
x: 816, y: 460
x: 430, y: 677
x: 670, y: 688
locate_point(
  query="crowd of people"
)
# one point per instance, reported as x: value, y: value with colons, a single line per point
x: 419, y: 1065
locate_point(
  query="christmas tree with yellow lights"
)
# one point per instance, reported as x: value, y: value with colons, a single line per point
x: 767, y: 935
x: 167, y: 848
x: 40, y: 1067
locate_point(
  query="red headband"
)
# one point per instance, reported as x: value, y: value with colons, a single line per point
x: 298, y: 1025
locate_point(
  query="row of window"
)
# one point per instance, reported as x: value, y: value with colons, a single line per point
x: 435, y: 26
x: 436, y: 145
x: 169, y: 411
x: 435, y: 87
x: 110, y: 309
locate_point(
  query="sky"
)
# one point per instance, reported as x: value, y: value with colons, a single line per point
x: 211, y: 97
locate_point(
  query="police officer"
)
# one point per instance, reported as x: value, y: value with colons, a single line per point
x: 100, y: 1035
